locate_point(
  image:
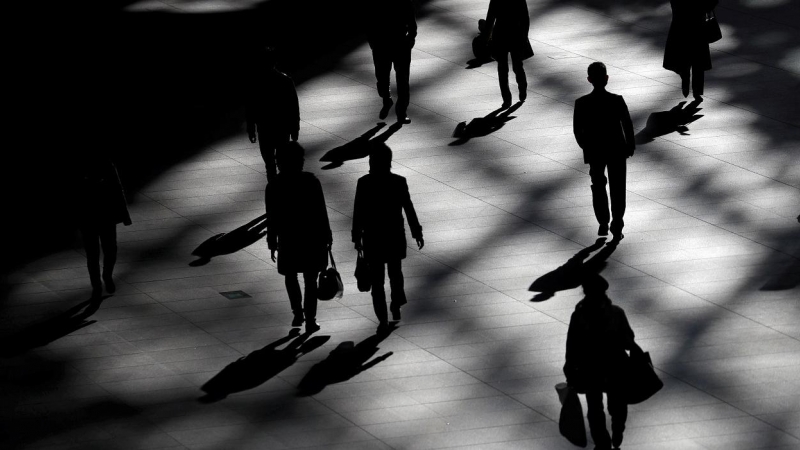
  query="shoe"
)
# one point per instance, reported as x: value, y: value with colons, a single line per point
x: 312, y: 326
x: 298, y: 320
x: 603, y: 230
x: 384, y: 328
x: 698, y: 98
x: 395, y: 309
x: 387, y: 105
x: 618, y: 236
x: 110, y: 286
x: 523, y: 95
x: 404, y: 119
x: 506, y: 103
x: 685, y: 84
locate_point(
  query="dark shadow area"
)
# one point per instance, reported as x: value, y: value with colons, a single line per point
x: 569, y: 275
x: 785, y: 279
x: 52, y: 329
x: 343, y: 363
x: 665, y: 122
x: 483, y: 126
x: 259, y: 366
x: 230, y: 242
x: 359, y: 147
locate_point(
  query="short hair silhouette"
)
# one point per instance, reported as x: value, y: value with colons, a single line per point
x: 597, y: 73
x: 290, y: 157
x: 594, y: 284
x: 380, y: 157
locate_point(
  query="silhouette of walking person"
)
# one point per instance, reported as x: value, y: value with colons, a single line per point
x: 378, y: 230
x: 598, y: 336
x: 101, y: 206
x: 508, y: 22
x: 298, y: 229
x: 391, y: 33
x: 273, y: 111
x: 686, y: 52
x: 603, y: 129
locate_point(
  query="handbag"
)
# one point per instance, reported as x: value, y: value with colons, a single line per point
x: 570, y: 421
x: 480, y: 45
x: 330, y: 282
x: 712, y: 30
x: 362, y: 273
x: 641, y: 380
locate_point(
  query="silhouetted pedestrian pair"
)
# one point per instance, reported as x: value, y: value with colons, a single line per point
x: 101, y: 206
x: 298, y: 229
x: 378, y: 230
x: 603, y: 129
x: 508, y: 24
x: 391, y: 32
x: 273, y: 111
x: 687, y: 52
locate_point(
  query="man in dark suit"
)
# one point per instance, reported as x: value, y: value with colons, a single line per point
x: 603, y: 129
x: 391, y: 32
x: 272, y: 109
x: 378, y: 229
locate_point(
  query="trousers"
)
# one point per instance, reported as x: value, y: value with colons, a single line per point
x: 378, y: 277
x: 616, y: 185
x: 399, y: 56
x: 303, y: 304
x: 617, y: 409
x: 502, y: 74
x: 97, y: 236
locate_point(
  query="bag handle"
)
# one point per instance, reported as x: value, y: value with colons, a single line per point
x: 333, y: 263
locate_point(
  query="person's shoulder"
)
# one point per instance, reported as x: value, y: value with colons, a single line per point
x: 583, y: 98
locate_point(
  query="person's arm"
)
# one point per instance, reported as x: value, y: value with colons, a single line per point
x: 578, y: 128
x: 411, y: 215
x: 411, y: 24
x: 323, y: 212
x: 572, y: 352
x: 270, y: 201
x: 627, y: 127
x: 491, y: 16
x: 627, y: 333
x: 358, y: 212
x: 294, y: 113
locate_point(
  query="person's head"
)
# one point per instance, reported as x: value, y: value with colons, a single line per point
x: 380, y: 158
x: 290, y: 157
x: 594, y: 285
x: 598, y: 75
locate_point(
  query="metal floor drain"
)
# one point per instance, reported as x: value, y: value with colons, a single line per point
x: 233, y: 295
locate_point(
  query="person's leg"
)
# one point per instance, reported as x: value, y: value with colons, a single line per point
x: 597, y: 420
x: 295, y: 298
x: 698, y: 81
x: 267, y: 143
x: 378, y: 276
x: 383, y: 68
x: 395, y: 269
x: 599, y: 195
x: 522, y: 80
x: 684, y: 82
x: 617, y: 174
x: 618, y: 410
x: 502, y: 77
x: 310, y: 297
x: 402, y: 69
x: 91, y: 244
x: 108, y: 241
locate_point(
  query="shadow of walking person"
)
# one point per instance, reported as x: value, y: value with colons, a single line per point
x: 344, y: 362
x: 359, y: 147
x: 230, y: 242
x: 570, y: 275
x: 259, y: 366
x: 665, y: 122
x: 483, y: 126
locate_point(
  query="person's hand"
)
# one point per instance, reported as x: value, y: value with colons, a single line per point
x: 420, y: 243
x: 252, y: 137
x: 295, y: 135
x: 272, y: 255
x: 411, y: 42
x: 359, y: 247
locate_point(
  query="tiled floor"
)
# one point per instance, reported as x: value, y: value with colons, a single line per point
x: 707, y: 273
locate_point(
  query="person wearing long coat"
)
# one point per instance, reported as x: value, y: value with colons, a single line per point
x: 299, y: 230
x: 509, y: 23
x: 599, y: 335
x: 378, y: 229
x: 687, y: 52
x: 272, y: 109
x: 101, y: 206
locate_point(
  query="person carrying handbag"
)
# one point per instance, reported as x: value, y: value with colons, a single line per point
x: 596, y: 360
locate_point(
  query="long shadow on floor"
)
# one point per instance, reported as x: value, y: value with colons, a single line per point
x: 483, y: 126
x: 259, y: 366
x: 569, y: 275
x: 230, y: 242
x: 344, y: 362
x: 359, y: 147
x: 665, y: 122
x: 52, y: 329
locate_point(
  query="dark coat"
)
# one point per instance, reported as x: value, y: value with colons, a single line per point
x: 297, y: 223
x: 272, y: 103
x: 686, y: 43
x: 599, y: 334
x: 378, y: 216
x: 603, y: 126
x: 390, y: 23
x: 510, y: 23
x: 101, y: 199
